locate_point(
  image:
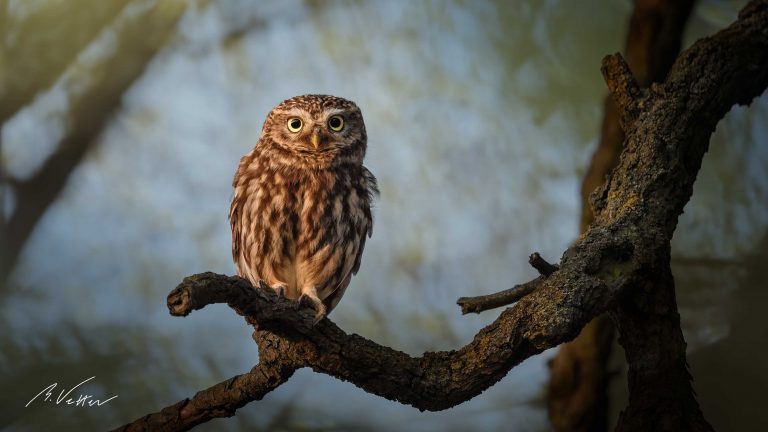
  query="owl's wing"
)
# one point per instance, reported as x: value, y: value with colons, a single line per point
x: 372, y: 190
x: 239, y: 183
x: 332, y: 299
x: 234, y: 223
x: 359, y: 254
x: 364, y: 230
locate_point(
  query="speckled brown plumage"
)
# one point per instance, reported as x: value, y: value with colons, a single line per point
x: 301, y: 211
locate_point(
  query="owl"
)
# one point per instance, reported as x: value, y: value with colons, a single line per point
x: 301, y: 210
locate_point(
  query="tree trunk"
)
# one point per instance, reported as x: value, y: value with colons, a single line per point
x: 577, y: 397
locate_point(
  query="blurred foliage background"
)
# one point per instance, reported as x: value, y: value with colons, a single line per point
x: 123, y: 122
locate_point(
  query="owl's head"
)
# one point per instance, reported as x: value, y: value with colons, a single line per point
x: 316, y: 128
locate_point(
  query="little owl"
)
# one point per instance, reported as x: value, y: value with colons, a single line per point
x: 302, y: 204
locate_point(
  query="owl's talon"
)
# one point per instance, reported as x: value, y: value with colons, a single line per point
x: 314, y: 303
x: 281, y: 293
x: 278, y: 289
x: 318, y: 317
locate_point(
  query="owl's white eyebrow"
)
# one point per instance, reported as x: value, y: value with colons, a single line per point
x: 298, y: 112
x: 333, y: 111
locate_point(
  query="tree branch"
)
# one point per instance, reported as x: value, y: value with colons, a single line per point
x: 619, y: 264
x: 502, y: 298
x: 221, y: 400
x: 623, y: 87
x: 435, y: 381
x: 541, y: 265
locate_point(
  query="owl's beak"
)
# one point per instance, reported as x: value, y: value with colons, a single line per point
x: 315, y: 138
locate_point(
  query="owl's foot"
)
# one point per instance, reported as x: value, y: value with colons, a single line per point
x: 279, y: 288
x: 308, y: 300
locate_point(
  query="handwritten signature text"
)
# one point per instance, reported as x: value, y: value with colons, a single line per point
x: 64, y: 396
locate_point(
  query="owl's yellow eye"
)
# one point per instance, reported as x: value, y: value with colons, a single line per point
x: 295, y: 124
x: 336, y: 123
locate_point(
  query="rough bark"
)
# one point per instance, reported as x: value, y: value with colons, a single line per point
x: 620, y: 264
x: 577, y: 397
x: 653, y: 41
